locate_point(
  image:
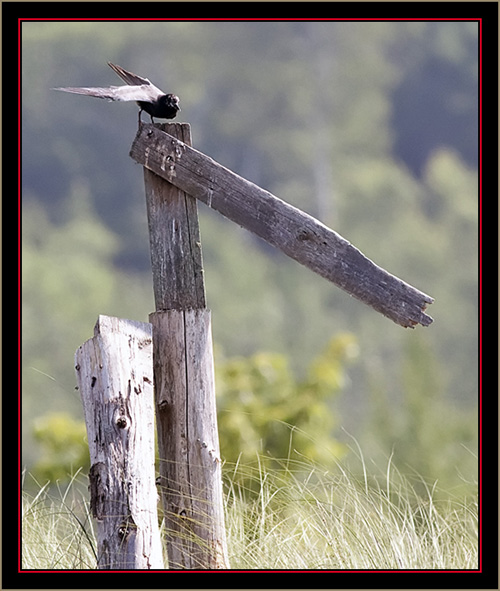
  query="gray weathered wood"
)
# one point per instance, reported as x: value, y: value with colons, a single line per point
x: 174, y: 235
x: 190, y: 467
x: 296, y: 233
x: 115, y: 377
x: 186, y: 418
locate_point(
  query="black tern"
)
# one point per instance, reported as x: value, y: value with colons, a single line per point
x: 149, y: 98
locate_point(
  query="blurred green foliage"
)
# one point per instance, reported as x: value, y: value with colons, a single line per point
x: 264, y: 409
x: 370, y: 126
x: 428, y: 437
x: 268, y: 418
x: 261, y: 407
x: 63, y: 441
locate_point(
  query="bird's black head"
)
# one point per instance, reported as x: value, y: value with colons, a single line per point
x: 170, y: 102
x: 165, y: 107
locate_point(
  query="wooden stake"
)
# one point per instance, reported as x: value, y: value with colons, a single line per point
x: 190, y: 470
x: 174, y: 236
x: 115, y: 377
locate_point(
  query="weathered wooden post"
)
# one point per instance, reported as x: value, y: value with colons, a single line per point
x: 190, y: 469
x: 115, y: 377
x: 114, y: 368
x: 183, y: 371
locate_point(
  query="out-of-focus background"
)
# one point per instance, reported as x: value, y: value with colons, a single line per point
x: 369, y: 126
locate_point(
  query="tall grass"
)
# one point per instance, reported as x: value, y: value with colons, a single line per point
x: 295, y: 517
x: 57, y: 531
x: 325, y: 521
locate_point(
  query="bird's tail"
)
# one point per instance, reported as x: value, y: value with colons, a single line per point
x: 104, y: 93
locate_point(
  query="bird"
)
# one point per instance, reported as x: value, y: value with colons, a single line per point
x: 149, y: 98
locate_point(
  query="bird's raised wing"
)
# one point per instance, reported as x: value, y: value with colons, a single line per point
x: 143, y: 92
x: 133, y: 79
x: 130, y: 78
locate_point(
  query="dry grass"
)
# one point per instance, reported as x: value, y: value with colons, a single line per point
x: 325, y: 521
x: 296, y: 517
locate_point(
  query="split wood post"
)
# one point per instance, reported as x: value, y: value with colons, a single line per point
x: 115, y: 378
x: 190, y: 467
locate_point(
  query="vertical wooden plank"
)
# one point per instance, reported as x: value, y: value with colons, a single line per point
x: 190, y: 471
x: 204, y: 454
x: 190, y: 468
x: 176, y: 257
x: 171, y: 421
x: 115, y: 379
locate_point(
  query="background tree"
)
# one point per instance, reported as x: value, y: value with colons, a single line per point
x: 370, y: 125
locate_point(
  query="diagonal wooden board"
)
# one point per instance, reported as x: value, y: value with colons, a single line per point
x: 297, y: 234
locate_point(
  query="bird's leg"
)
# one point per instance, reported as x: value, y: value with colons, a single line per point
x: 139, y: 122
